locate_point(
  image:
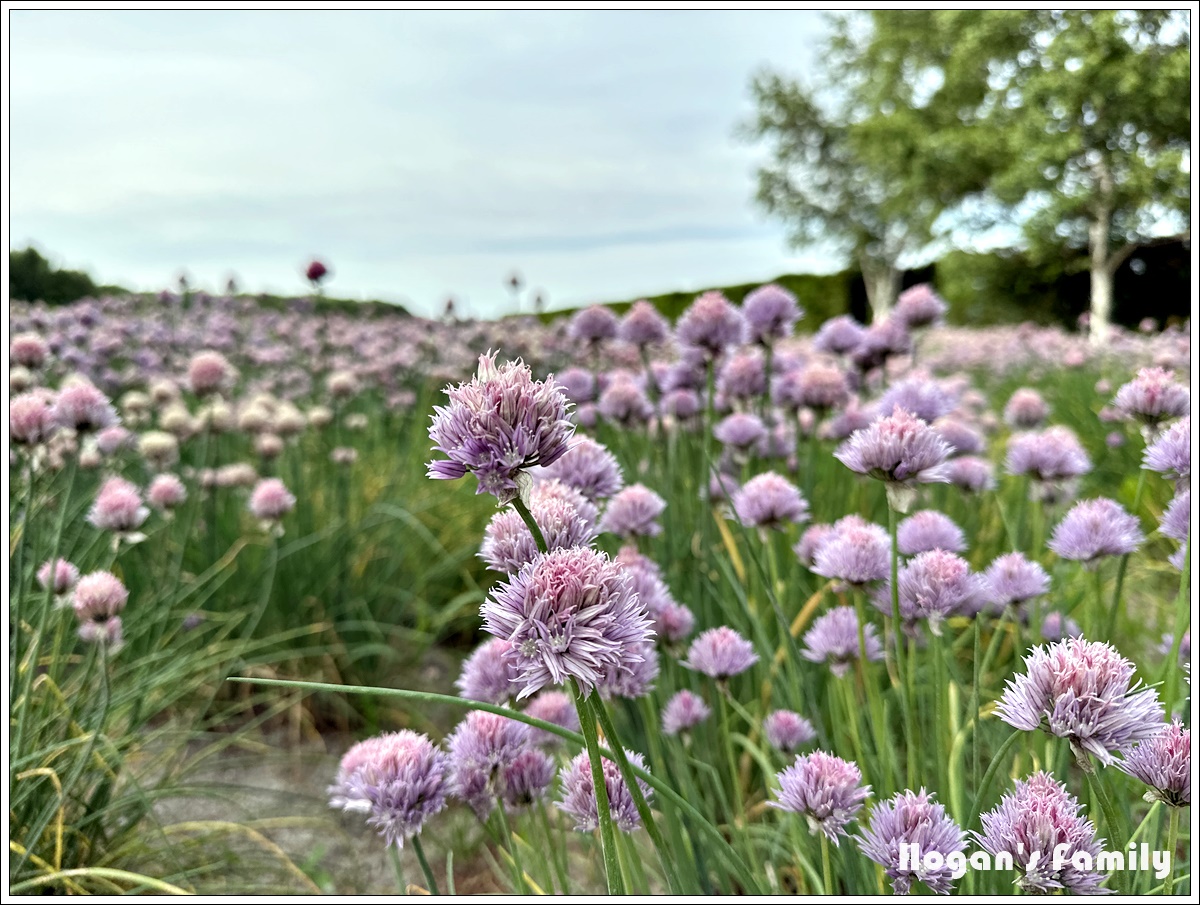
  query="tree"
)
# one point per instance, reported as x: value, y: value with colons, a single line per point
x: 31, y: 277
x: 1075, y: 123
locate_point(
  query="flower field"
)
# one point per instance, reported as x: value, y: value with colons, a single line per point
x: 740, y: 604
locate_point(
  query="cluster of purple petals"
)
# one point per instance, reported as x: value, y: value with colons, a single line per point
x: 58, y: 576
x: 1026, y: 409
x: 922, y: 397
x: 1164, y: 763
x: 919, y: 306
x: 1093, y: 529
x: 720, y: 652
x: 971, y: 473
x: 855, y: 552
x: 508, y: 545
x: 899, y: 447
x: 684, y: 711
x: 486, y: 675
x: 527, y: 779
x: 1012, y: 579
x: 638, y: 680
x: 579, y: 384
x: 712, y: 324
x: 481, y: 749
x: 771, y: 313
x: 742, y: 377
x: 1031, y: 823
x: 740, y: 431
x: 1054, y: 454
x: 912, y: 818
x: 1152, y: 397
x: 1056, y: 627
x: 634, y: 512
x: 1082, y: 691
x: 643, y: 325
x: 963, y: 438
x: 1171, y: 451
x: 579, y: 793
x: 118, y: 507
x: 769, y: 500
x: 932, y: 587
x: 929, y: 530
x: 589, y: 467
x: 499, y: 424
x: 833, y: 640
x: 624, y: 402
x: 570, y: 614
x: 593, y: 324
x: 552, y: 707
x: 839, y: 335
x: 786, y: 730
x: 825, y: 789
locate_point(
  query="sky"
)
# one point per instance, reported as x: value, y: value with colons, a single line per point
x: 420, y: 154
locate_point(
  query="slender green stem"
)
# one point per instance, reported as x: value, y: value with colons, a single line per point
x: 1116, y: 827
x: 555, y: 850
x: 506, y: 832
x: 527, y: 518
x: 18, y: 576
x: 883, y: 748
x: 1172, y: 846
x: 975, y: 678
x: 826, y: 869
x: 1182, y: 618
x: 910, y: 744
x: 940, y: 710
x: 989, y: 775
x: 608, y: 840
x: 639, y: 800
x: 1098, y: 609
x: 425, y: 868
x: 1124, y: 561
x: 398, y: 869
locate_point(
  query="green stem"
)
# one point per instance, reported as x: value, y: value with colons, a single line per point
x: 883, y: 748
x: 989, y: 775
x: 1116, y: 827
x: 527, y: 518
x: 910, y: 744
x: 506, y: 832
x: 18, y: 574
x: 976, y: 675
x: 399, y: 870
x: 608, y: 840
x: 1116, y: 602
x: 1172, y: 845
x: 826, y: 869
x: 425, y: 868
x: 560, y: 871
x: 941, y: 710
x: 1098, y: 609
x: 639, y: 800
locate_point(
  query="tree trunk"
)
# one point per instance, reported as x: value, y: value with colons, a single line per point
x: 1102, y: 262
x: 882, y: 279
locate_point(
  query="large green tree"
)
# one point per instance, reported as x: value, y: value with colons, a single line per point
x: 1072, y: 125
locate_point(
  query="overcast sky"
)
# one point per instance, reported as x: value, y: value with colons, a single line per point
x: 421, y: 154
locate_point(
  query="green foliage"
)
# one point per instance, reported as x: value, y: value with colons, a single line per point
x: 31, y: 277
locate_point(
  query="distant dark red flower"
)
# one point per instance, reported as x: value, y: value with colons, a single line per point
x: 316, y: 271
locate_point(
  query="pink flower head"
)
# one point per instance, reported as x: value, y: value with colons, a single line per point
x: 83, y: 408
x: 210, y: 372
x: 1026, y: 409
x: 771, y: 313
x: 118, y: 507
x: 498, y: 425
x: 684, y: 711
x: 711, y: 324
x: 634, y: 512
x: 899, y: 449
x: 643, y: 325
x: 31, y: 418
x: 825, y: 789
x: 99, y: 596
x: 1153, y: 397
x: 720, y: 653
x: 166, y: 492
x: 1164, y: 763
x: 28, y: 350
x: 271, y: 500
x: 919, y: 306
x: 58, y: 575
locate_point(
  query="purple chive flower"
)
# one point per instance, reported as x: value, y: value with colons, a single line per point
x: 1026, y: 409
x: 833, y: 640
x: 589, y: 467
x: 674, y: 622
x: 720, y: 653
x: 638, y: 680
x: 1052, y: 456
x: 787, y: 730
x: 271, y: 500
x: 28, y: 350
x: 820, y: 387
x: 166, y: 492
x: 118, y: 507
x: 1171, y: 451
x: 1176, y: 521
x: 398, y: 780
x: 527, y: 779
x: 933, y: 586
x: 682, y: 405
x: 508, y: 544
x: 83, y: 408
x: 553, y: 489
x: 919, y: 306
x: 593, y: 324
x: 210, y: 372
x: 923, y: 398
x: 498, y: 425
x: 624, y: 402
x: 58, y: 575
x: 742, y: 377
x: 965, y: 439
x: 839, y: 335
x: 771, y: 313
x: 914, y: 819
x: 570, y: 614
x: 579, y: 793
x: 634, y: 512
x: 769, y: 500
x: 722, y: 486
x: 481, y: 748
x: 857, y: 553
x: 1153, y: 397
x: 1056, y: 627
x: 852, y: 418
x: 552, y: 707
x: 31, y: 418
x: 929, y: 530
x: 970, y: 473
x: 1081, y: 691
x: 98, y: 600
x: 1040, y: 825
x: 1164, y: 763
x: 485, y: 674
x: 711, y: 324
x: 827, y: 790
x: 683, y: 711
x: 740, y: 431
x: 1012, y: 579
x: 899, y: 449
x: 880, y: 342
x: 578, y: 384
x: 643, y: 325
x: 812, y: 538
x: 112, y: 439
x: 1096, y: 528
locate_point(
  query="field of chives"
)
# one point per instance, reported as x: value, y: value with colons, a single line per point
x: 810, y: 608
